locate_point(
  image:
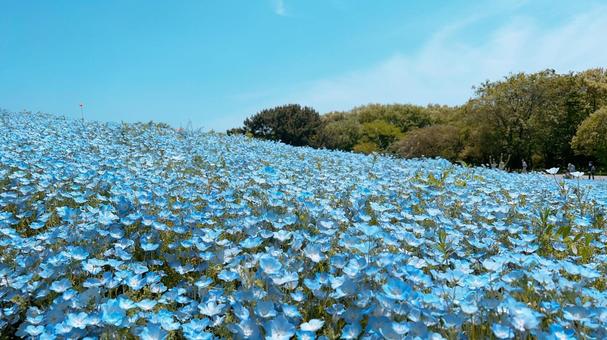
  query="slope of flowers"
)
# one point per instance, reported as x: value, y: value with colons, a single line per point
x: 110, y: 230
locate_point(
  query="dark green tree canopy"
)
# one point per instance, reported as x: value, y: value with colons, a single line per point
x: 291, y: 124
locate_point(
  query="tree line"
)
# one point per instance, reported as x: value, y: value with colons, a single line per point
x: 546, y: 118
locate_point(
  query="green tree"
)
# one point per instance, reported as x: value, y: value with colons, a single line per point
x: 591, y: 137
x: 291, y: 124
x: 531, y: 116
x: 337, y: 132
x: 571, y: 99
x: 379, y: 133
x: 403, y: 116
x: 594, y: 86
x: 432, y: 141
x: 374, y: 127
x: 502, y: 111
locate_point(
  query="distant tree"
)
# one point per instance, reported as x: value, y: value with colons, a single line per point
x: 591, y: 137
x: 291, y: 124
x: 594, y: 85
x: 432, y: 141
x: 522, y: 116
x: 501, y: 112
x: 372, y: 127
x: 570, y: 100
x: 337, y: 132
x: 236, y: 131
x: 531, y: 116
x: 403, y: 116
x: 379, y: 133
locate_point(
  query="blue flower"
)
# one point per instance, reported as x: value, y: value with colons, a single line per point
x: 152, y: 331
x: 33, y: 330
x: 106, y: 216
x: 78, y: 253
x: 469, y: 306
x: 149, y: 246
x: 211, y: 308
x: 246, y: 329
x: 314, y: 253
x: 269, y: 264
x: 265, y: 309
x: 524, y: 318
x: 492, y: 265
x: 298, y: 296
x: 304, y: 335
x: 351, y: 331
x: 69, y: 294
x: 575, y: 313
x: 396, y: 289
x: 312, y: 325
x: 279, y: 329
x: 146, y: 304
x: 167, y: 322
x: 62, y: 328
x: 126, y: 303
x: 282, y: 235
x: 240, y: 311
x: 501, y: 331
x: 291, y: 311
x: 561, y: 333
x: 251, y: 242
x: 195, y: 327
x: 112, y: 314
x: 401, y: 328
x: 77, y: 320
x: 61, y: 286
x: 228, y: 275
x: 135, y: 282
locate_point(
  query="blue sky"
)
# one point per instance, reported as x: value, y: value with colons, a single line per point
x: 216, y: 62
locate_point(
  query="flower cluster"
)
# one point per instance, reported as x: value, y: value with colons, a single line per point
x: 141, y: 230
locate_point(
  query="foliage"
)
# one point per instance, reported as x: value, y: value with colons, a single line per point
x: 338, y: 131
x: 377, y: 135
x: 291, y: 124
x: 373, y: 127
x: 531, y: 116
x: 438, y: 140
x: 404, y: 117
x: 591, y: 136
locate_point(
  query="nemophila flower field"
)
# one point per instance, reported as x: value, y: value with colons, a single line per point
x: 112, y: 231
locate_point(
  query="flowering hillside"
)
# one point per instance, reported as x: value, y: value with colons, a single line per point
x: 110, y: 230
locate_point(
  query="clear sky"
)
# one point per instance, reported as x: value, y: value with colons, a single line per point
x: 216, y: 62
